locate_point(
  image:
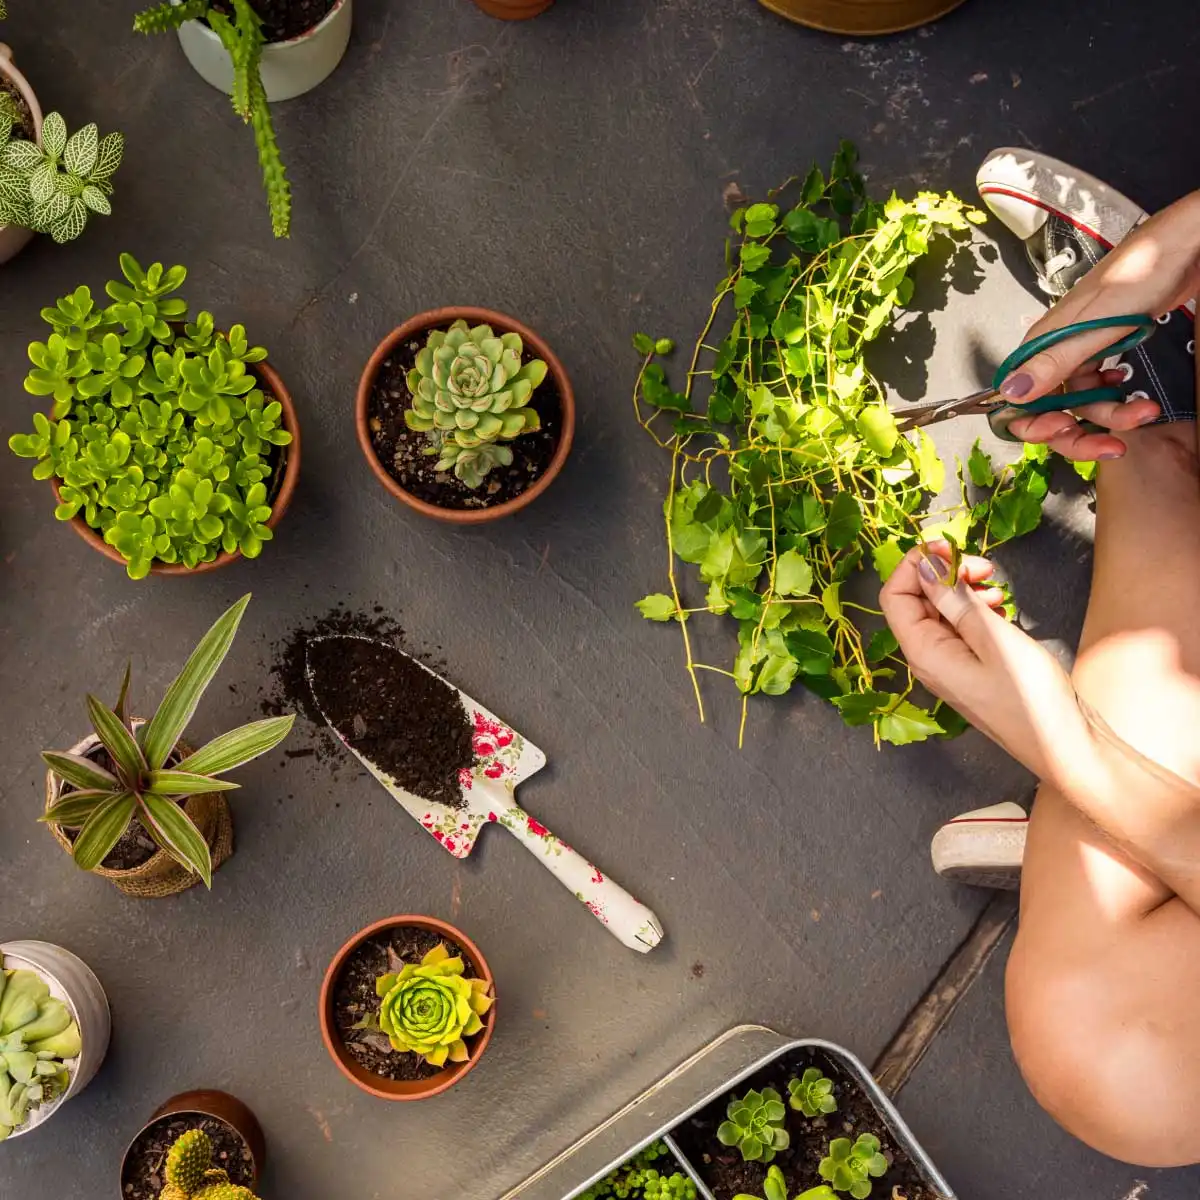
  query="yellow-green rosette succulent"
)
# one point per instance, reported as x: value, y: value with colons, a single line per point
x: 470, y: 395
x: 429, y: 1009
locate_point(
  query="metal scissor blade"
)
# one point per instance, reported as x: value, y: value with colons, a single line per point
x: 930, y: 411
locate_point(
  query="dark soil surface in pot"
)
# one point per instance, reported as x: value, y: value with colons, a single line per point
x: 142, y: 1177
x: 24, y: 126
x: 397, y: 714
x: 727, y: 1175
x: 354, y: 998
x: 284, y: 19
x: 402, y: 452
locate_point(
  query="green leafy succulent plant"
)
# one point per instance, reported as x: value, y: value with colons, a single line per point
x: 850, y: 1166
x: 159, y: 436
x: 775, y: 1188
x: 243, y: 39
x: 471, y: 394
x: 638, y: 1178
x: 37, y: 1035
x: 754, y: 1124
x: 812, y: 1093
x: 429, y: 1009
x: 53, y: 187
x: 190, y: 1175
x: 140, y: 781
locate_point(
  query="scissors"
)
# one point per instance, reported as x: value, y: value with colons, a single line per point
x: 1000, y: 413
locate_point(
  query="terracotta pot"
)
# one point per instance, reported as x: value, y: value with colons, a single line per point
x: 209, y: 1103
x: 275, y: 387
x: 514, y: 10
x: 862, y: 17
x: 438, y: 318
x: 13, y: 238
x: 420, y: 1089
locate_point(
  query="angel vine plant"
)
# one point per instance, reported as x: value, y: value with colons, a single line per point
x: 243, y: 40
x: 159, y: 435
x: 145, y: 779
x: 791, y: 477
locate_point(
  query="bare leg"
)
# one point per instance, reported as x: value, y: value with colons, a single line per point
x: 1103, y: 984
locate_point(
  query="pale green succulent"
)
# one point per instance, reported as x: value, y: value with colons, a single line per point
x: 37, y: 1033
x: 470, y: 393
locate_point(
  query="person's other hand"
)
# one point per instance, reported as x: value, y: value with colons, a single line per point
x: 993, y: 673
x: 1154, y: 270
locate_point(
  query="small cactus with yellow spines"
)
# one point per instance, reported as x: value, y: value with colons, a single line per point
x: 191, y: 1175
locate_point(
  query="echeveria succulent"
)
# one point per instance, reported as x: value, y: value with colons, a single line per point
x: 775, y: 1188
x: 37, y: 1035
x: 812, y: 1093
x: 429, y: 1009
x: 850, y: 1166
x: 754, y: 1125
x: 190, y: 1174
x: 471, y: 393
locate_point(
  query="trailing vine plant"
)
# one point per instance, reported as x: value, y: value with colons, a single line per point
x: 789, y: 478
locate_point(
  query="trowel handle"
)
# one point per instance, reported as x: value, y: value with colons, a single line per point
x: 627, y: 919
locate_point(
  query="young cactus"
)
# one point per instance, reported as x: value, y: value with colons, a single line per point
x: 812, y: 1093
x: 850, y: 1166
x: 755, y: 1126
x: 190, y: 1175
x: 775, y: 1188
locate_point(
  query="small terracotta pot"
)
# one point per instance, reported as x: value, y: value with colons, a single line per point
x: 419, y: 1089
x: 13, y: 238
x: 209, y: 1103
x: 440, y: 318
x: 514, y: 10
x: 276, y: 389
x: 862, y: 18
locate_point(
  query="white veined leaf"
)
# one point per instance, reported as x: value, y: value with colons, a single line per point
x: 53, y: 210
x: 54, y: 134
x: 81, y: 151
x: 108, y: 156
x: 42, y: 183
x: 22, y: 155
x: 69, y: 227
x: 13, y: 212
x: 14, y: 185
x: 96, y: 200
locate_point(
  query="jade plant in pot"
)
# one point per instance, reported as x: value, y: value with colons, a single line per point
x: 465, y: 415
x: 171, y: 447
x: 54, y: 1030
x: 199, y: 1145
x: 135, y: 804
x: 407, y: 1007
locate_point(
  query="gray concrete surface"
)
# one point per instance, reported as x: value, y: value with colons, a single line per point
x: 571, y: 171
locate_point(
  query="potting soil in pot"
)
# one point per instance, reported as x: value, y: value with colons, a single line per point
x: 24, y: 126
x: 727, y: 1175
x: 142, y: 1178
x: 402, y: 451
x: 354, y: 998
x: 284, y: 19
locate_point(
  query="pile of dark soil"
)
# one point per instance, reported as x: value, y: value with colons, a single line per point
x: 24, y: 126
x: 402, y: 452
x: 284, y: 19
x: 142, y: 1177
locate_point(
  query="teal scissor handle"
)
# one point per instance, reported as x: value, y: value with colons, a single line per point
x: 999, y: 420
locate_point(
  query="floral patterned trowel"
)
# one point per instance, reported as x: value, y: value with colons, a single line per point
x: 503, y: 758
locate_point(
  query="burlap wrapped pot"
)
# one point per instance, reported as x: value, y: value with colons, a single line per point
x: 160, y: 875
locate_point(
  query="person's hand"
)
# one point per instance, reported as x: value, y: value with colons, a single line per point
x: 993, y: 673
x: 1154, y: 270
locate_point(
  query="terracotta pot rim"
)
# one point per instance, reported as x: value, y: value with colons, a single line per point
x: 420, y: 1089
x: 310, y: 32
x: 273, y: 383
x: 438, y: 317
x: 847, y: 19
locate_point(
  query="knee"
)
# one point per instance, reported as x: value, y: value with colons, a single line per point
x: 1116, y: 1079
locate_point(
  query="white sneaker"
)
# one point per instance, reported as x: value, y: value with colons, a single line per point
x: 983, y: 848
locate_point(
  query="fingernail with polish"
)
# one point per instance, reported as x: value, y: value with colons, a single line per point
x: 1016, y: 386
x: 1112, y: 454
x: 933, y: 570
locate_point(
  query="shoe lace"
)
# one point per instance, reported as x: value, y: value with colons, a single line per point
x: 1065, y: 258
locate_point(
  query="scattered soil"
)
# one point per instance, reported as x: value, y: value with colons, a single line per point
x: 727, y: 1175
x: 402, y: 452
x: 354, y: 997
x: 284, y: 19
x: 142, y: 1177
x: 24, y: 126
x: 393, y: 711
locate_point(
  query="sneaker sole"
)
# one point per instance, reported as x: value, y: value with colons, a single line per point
x: 981, y: 854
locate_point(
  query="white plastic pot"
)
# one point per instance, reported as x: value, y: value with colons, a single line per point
x: 12, y: 237
x: 72, y: 981
x: 288, y: 68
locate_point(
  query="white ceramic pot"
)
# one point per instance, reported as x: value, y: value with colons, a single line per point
x: 72, y: 981
x: 12, y: 237
x: 288, y: 68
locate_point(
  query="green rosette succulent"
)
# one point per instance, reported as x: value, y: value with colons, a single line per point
x: 775, y: 1188
x: 812, y: 1093
x: 470, y: 394
x: 429, y: 1009
x: 850, y: 1166
x: 754, y: 1125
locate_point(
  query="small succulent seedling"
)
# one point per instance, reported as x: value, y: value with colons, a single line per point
x: 668, y: 1187
x: 471, y: 394
x: 190, y: 1174
x: 850, y: 1166
x: 632, y: 1176
x: 141, y: 783
x: 775, y: 1188
x: 754, y: 1125
x: 812, y: 1093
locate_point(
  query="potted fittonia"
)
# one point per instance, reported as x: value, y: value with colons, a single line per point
x: 200, y: 1145
x: 407, y: 1007
x: 54, y: 1030
x: 170, y: 446
x: 465, y: 415
x: 258, y: 53
x: 17, y: 96
x: 135, y: 804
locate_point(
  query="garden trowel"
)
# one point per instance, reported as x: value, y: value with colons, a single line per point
x: 503, y: 758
